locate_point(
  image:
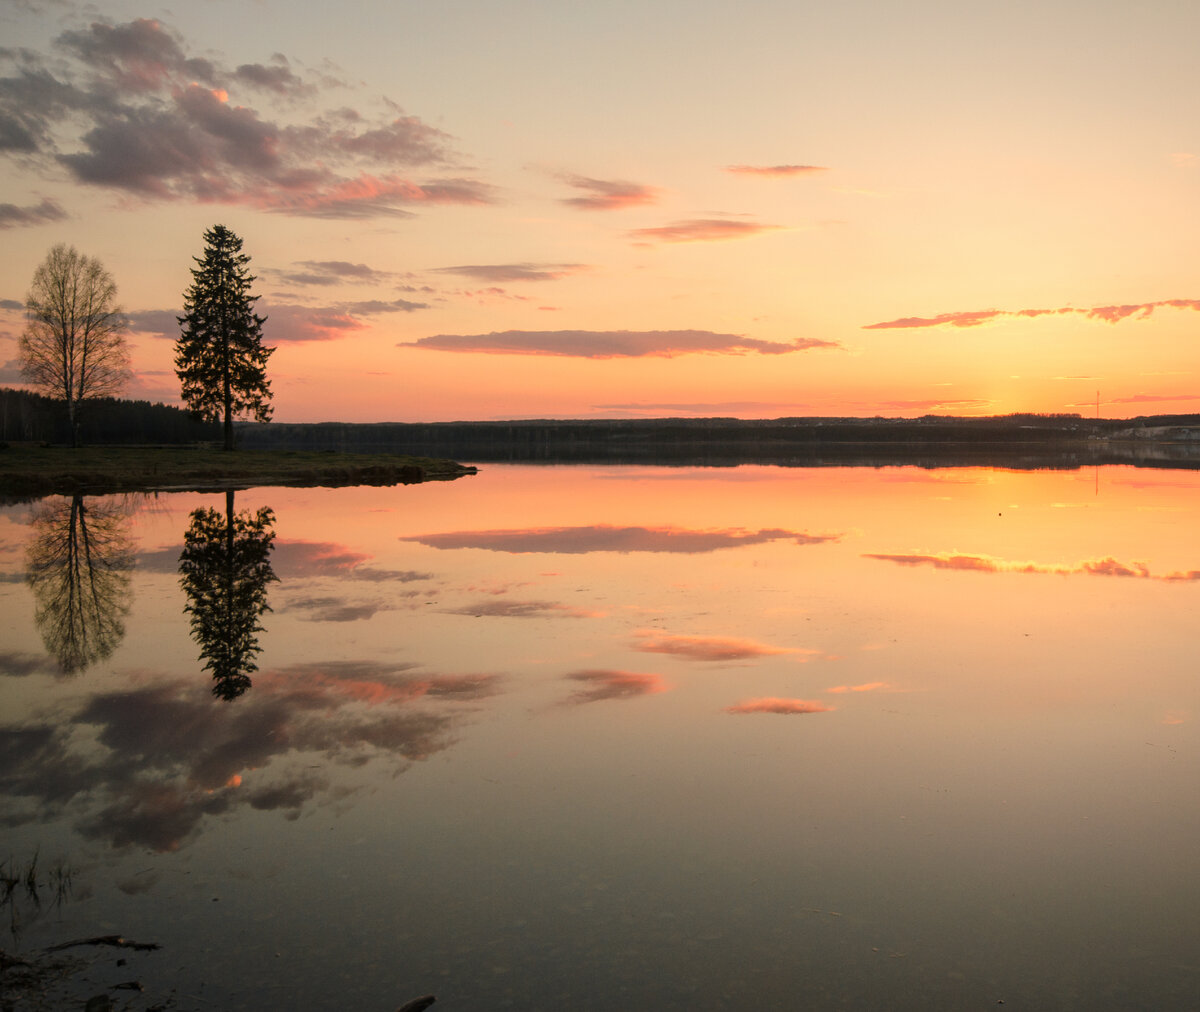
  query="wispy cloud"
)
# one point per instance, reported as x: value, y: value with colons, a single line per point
x: 522, y: 609
x: 775, y: 171
x: 600, y: 685
x: 865, y: 687
x: 505, y: 273
x: 608, y: 538
x: 611, y: 343
x: 701, y: 230
x: 12, y: 216
x: 1150, y: 398
x: 289, y: 321
x: 707, y: 648
x: 1107, y: 566
x: 127, y: 107
x: 706, y: 408
x: 323, y: 273
x: 975, y: 318
x: 930, y: 404
x: 608, y: 194
x: 774, y: 704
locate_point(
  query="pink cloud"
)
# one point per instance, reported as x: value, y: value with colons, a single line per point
x: 985, y: 564
x: 865, y: 687
x: 1153, y: 398
x: 773, y: 704
x: 702, y: 230
x: 1109, y: 314
x: 609, y: 194
x: 706, y: 648
x: 776, y: 171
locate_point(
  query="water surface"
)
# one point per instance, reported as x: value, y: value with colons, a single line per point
x: 618, y: 737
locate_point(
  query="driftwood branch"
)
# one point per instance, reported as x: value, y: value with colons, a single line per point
x: 114, y: 940
x: 417, y: 1004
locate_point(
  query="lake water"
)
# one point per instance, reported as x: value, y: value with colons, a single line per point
x: 615, y: 738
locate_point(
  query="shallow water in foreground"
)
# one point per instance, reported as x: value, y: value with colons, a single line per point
x: 608, y: 738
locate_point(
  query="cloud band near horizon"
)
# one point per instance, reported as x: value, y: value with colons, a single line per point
x: 975, y: 318
x: 599, y: 344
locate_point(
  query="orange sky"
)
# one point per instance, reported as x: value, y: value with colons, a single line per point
x: 638, y: 209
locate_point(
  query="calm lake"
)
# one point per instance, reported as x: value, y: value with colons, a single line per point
x: 606, y: 738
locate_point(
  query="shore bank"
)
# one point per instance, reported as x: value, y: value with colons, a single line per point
x: 30, y: 471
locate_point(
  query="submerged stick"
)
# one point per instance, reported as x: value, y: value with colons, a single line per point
x: 417, y: 1004
x: 114, y: 940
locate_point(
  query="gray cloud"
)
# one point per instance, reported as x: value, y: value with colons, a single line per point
x: 519, y: 609
x: 605, y: 538
x: 12, y: 216
x: 500, y: 273
x: 597, y: 686
x: 126, y: 107
x: 333, y: 609
x: 611, y: 343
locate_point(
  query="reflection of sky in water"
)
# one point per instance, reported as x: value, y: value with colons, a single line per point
x: 596, y: 738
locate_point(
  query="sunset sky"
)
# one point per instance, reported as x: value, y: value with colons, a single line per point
x: 473, y: 209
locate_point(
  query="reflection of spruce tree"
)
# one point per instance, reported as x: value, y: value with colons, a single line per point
x: 225, y: 568
x: 79, y: 563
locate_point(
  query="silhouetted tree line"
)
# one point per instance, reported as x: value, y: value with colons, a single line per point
x: 1009, y: 440
x: 30, y: 417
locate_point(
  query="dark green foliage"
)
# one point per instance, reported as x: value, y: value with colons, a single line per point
x: 27, y: 417
x: 219, y: 357
x: 224, y: 568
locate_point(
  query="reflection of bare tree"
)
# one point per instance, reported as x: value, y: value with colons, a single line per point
x: 79, y: 563
x: 225, y: 568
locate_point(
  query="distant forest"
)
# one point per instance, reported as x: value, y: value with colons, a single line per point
x: 31, y: 418
x: 718, y: 441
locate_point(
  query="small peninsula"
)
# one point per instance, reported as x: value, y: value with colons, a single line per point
x: 28, y: 471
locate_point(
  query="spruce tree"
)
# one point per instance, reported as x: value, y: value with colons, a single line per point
x: 219, y: 356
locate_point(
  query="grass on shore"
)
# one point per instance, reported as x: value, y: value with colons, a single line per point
x: 29, y: 470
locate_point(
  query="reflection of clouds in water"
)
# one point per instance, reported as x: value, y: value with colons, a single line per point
x: 599, y: 685
x: 147, y: 765
x: 333, y: 609
x: 1107, y: 566
x: 522, y: 609
x: 707, y: 648
x: 17, y: 664
x: 606, y: 538
x: 773, y: 704
x: 297, y: 559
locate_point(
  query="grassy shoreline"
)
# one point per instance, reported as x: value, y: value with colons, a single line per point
x: 30, y: 471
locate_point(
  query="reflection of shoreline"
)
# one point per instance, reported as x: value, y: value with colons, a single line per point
x: 79, y: 561
x: 224, y: 570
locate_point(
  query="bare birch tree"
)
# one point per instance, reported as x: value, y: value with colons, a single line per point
x: 74, y: 345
